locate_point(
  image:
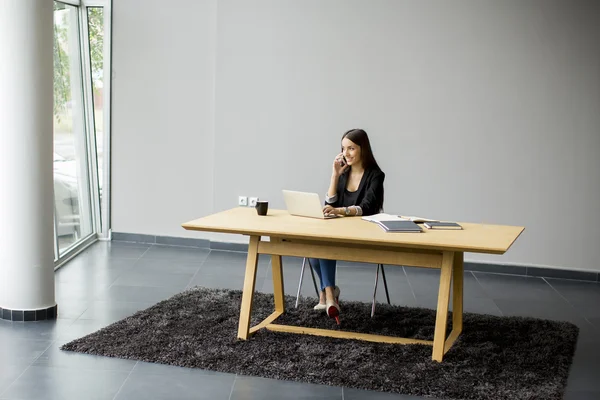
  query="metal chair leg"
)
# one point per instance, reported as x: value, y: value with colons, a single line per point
x: 300, y: 283
x: 375, y: 291
x: 387, y: 294
x: 302, y: 278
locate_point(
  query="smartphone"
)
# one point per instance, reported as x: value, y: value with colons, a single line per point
x: 344, y: 162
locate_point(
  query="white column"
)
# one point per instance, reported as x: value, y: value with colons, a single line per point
x: 26, y: 162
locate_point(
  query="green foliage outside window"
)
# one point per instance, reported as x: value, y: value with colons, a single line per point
x: 62, y: 78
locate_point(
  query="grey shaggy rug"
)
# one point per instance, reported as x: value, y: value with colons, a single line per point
x: 495, y: 357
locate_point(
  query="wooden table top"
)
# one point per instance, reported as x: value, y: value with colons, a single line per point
x: 475, y: 238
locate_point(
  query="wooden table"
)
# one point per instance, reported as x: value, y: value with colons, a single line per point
x: 353, y: 239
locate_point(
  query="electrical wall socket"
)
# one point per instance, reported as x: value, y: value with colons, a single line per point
x: 243, y: 201
x: 252, y: 201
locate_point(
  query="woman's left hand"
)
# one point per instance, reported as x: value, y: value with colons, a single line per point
x: 328, y: 210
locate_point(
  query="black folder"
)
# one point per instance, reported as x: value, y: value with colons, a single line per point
x: 442, y: 225
x: 400, y: 226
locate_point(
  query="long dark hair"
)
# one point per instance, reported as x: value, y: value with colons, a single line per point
x: 360, y: 138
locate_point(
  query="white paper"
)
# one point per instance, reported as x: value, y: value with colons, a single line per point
x: 383, y: 217
x: 418, y: 219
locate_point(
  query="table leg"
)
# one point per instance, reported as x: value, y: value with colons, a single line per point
x: 457, y: 292
x: 277, y: 270
x: 457, y: 301
x: 248, y: 293
x: 441, y: 318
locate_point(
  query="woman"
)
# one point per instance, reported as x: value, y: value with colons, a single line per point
x: 356, y: 189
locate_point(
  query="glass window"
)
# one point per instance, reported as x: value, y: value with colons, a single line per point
x: 73, y: 214
x: 96, y: 45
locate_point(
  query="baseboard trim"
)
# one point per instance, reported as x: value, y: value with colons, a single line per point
x: 538, y: 272
x: 229, y: 246
x: 177, y: 241
x: 133, y: 238
x: 521, y: 270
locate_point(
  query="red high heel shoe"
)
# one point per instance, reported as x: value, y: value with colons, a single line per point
x: 333, y: 311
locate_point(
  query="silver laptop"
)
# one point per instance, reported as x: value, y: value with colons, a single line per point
x: 304, y: 204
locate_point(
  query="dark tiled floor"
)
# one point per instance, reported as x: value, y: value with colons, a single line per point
x: 112, y: 280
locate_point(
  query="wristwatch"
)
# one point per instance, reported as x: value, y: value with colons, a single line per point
x: 346, y: 211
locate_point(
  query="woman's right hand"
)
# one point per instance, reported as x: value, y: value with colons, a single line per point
x: 339, y: 165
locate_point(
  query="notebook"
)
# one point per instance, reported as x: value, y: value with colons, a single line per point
x: 399, y: 226
x: 442, y: 225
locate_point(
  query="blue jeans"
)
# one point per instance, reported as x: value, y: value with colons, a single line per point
x: 326, y: 271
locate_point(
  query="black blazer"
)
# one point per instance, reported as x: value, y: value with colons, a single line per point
x: 370, y: 192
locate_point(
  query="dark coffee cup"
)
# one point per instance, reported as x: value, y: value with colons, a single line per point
x: 262, y: 207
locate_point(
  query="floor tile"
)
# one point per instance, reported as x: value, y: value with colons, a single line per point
x: 290, y: 287
x: 246, y: 388
x: 577, y: 291
x: 233, y: 257
x: 97, y: 277
x: 290, y: 271
x: 588, y: 310
x: 181, y: 384
x: 35, y: 330
x: 356, y: 394
x: 96, y: 263
x: 77, y: 293
x: 112, y: 311
x: 425, y: 282
x: 234, y: 269
x: 584, y: 296
x: 596, y: 322
x: 171, y: 266
x: 512, y: 287
x: 583, y: 375
x: 141, y: 294
x: 222, y: 281
x: 20, y: 351
x: 470, y: 304
x: 9, y: 374
x: 191, y: 254
x: 115, y: 250
x: 70, y: 309
x: 555, y: 310
x: 227, y: 270
x: 81, y: 328
x: 581, y: 395
x: 54, y: 357
x: 50, y: 383
x: 137, y: 277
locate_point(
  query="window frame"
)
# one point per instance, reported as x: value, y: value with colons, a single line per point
x: 100, y: 211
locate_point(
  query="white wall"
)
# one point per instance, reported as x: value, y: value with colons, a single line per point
x: 162, y: 114
x: 477, y: 111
